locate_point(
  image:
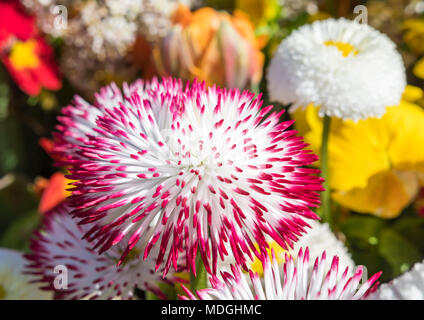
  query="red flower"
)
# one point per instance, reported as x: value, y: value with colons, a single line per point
x: 26, y: 55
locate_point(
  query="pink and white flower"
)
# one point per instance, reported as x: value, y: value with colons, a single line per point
x: 297, y: 282
x: 191, y: 169
x: 88, y: 276
x: 78, y: 121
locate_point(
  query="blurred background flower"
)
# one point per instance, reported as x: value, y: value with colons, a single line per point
x: 26, y: 55
x: 211, y: 46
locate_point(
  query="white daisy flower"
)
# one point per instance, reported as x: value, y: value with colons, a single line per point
x: 408, y: 286
x: 60, y: 248
x: 14, y: 284
x: 297, y: 282
x: 348, y: 70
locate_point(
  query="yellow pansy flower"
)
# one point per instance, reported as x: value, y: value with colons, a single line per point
x: 375, y: 164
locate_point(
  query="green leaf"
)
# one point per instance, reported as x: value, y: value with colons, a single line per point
x: 412, y: 229
x: 398, y: 251
x: 369, y: 256
x: 19, y: 233
x: 200, y: 281
x: 362, y: 238
x: 365, y: 228
x: 16, y: 200
x: 167, y: 289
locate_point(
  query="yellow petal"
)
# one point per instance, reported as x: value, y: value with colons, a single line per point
x: 302, y: 122
x: 386, y: 194
x: 419, y: 69
x: 412, y: 93
x: 356, y: 150
x: 406, y: 123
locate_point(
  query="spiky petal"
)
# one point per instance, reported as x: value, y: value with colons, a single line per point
x: 77, y: 122
x: 88, y: 275
x: 192, y: 170
x: 295, y: 283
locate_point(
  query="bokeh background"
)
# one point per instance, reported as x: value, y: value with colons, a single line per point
x: 52, y: 50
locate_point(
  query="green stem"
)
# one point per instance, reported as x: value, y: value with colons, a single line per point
x: 326, y: 194
x: 200, y: 281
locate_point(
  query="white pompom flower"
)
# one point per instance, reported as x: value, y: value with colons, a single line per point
x: 298, y: 281
x: 63, y: 262
x: 348, y: 70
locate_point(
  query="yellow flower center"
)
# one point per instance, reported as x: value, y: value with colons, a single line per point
x: 256, y: 265
x: 2, y: 293
x: 22, y: 55
x: 345, y: 48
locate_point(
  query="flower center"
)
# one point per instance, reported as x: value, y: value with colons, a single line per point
x: 345, y: 48
x: 256, y: 265
x: 23, y: 55
x: 2, y: 293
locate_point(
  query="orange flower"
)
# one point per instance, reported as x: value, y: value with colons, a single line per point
x: 54, y: 191
x: 213, y: 46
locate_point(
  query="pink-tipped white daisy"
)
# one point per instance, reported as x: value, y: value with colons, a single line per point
x: 191, y: 170
x: 63, y: 262
x: 78, y: 121
x: 297, y: 282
